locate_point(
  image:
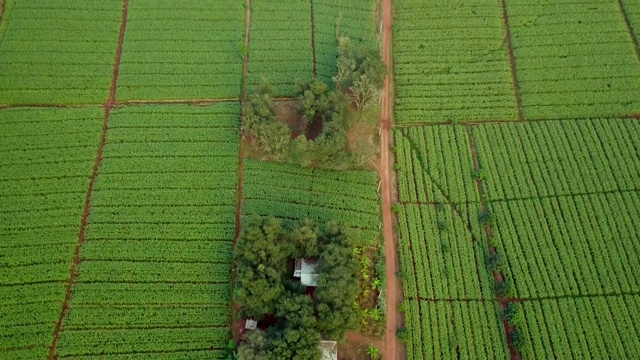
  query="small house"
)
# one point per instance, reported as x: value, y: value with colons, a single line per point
x: 305, y: 269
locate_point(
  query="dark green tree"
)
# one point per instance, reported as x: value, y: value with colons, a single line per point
x: 260, y: 258
x: 337, y: 284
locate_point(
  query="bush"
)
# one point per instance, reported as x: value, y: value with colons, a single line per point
x: 518, y: 339
x: 495, y: 261
x: 512, y: 314
x: 504, y: 288
x: 403, y: 335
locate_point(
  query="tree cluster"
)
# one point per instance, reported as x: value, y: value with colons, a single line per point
x: 360, y: 76
x: 265, y: 288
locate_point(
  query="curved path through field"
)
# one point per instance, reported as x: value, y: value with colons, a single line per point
x: 390, y: 350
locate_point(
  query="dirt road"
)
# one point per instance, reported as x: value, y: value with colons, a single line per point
x: 390, y: 350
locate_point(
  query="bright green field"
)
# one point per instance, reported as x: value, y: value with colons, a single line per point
x: 561, y: 186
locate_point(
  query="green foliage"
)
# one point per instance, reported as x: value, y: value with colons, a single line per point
x: 513, y: 314
x: 361, y: 70
x: 518, y: 339
x: 260, y: 254
x: 373, y: 352
x: 337, y: 289
x: 495, y: 261
x: 316, y: 100
x: 403, y: 335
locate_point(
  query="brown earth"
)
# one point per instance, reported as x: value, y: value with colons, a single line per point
x: 390, y: 349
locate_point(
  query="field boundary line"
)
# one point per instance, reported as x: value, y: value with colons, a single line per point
x: 512, y: 61
x: 87, y: 205
x: 502, y: 122
x: 313, y: 41
x: 632, y: 33
x: 497, y: 274
x: 239, y: 192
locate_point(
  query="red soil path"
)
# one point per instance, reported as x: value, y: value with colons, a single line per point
x: 390, y: 349
x: 313, y: 41
x: 87, y: 205
x: 237, y: 327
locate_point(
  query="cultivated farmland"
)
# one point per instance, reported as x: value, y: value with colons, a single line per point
x: 323, y: 195
x: 529, y: 225
x: 185, y: 51
x: 58, y: 51
x: 280, y: 48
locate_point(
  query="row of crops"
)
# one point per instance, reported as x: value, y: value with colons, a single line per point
x: 454, y: 330
x: 451, y: 62
x: 574, y: 59
x: 58, y: 51
x: 290, y: 192
x: 570, y: 60
x: 280, y: 48
x: 154, y: 270
x: 189, y: 50
x: 46, y: 159
x: 563, y: 202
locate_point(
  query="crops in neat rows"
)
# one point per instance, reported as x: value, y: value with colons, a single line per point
x: 154, y: 270
x: 574, y: 59
x: 632, y: 9
x: 46, y: 157
x: 440, y: 257
x: 293, y: 193
x: 584, y: 328
x: 58, y: 51
x: 454, y: 330
x: 189, y: 50
x: 563, y: 199
x: 433, y: 164
x: 280, y: 45
x: 560, y: 157
x: 451, y: 62
x: 354, y: 19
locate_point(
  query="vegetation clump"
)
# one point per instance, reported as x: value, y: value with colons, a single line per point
x: 265, y: 289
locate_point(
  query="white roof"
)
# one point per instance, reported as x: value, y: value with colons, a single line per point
x: 250, y: 324
x: 305, y: 269
x: 329, y: 350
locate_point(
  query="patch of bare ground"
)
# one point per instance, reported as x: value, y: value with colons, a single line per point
x: 287, y: 113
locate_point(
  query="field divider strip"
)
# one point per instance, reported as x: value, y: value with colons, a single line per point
x: 512, y: 60
x: 313, y: 40
x: 632, y: 33
x: 87, y: 205
x: 497, y: 274
x: 239, y: 193
x: 502, y: 122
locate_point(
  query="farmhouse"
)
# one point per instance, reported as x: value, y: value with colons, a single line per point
x: 305, y: 269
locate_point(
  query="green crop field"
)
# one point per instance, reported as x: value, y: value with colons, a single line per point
x: 540, y: 214
x: 293, y: 193
x: 186, y: 51
x: 125, y: 177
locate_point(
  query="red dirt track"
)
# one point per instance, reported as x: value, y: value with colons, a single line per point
x: 390, y: 350
x: 512, y: 60
x: 87, y: 205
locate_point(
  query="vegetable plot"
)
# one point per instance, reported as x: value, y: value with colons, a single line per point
x: 47, y: 157
x: 154, y: 271
x: 451, y: 62
x: 454, y: 329
x: 574, y: 59
x: 280, y: 45
x: 292, y: 193
x: 189, y: 50
x: 58, y: 51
